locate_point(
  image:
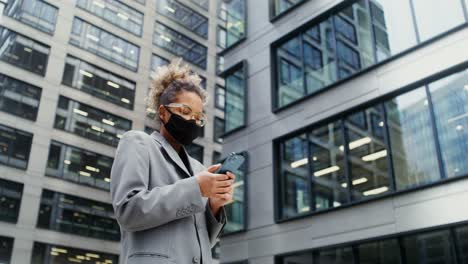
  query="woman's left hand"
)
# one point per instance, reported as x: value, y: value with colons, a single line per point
x: 222, y: 199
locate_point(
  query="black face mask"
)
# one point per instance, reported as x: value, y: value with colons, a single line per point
x: 183, y: 131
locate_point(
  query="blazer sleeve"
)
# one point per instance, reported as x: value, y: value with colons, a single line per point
x: 214, y: 225
x: 138, y: 208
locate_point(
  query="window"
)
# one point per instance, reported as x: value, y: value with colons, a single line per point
x: 282, y: 6
x: 235, y: 98
x: 355, y: 37
x: 157, y: 61
x: 220, y: 95
x: 89, y: 122
x: 35, y: 13
x: 104, y: 44
x: 405, y: 141
x: 149, y: 130
x: 195, y: 151
x: 437, y: 245
x: 49, y: 254
x: 180, y: 45
x: 98, y: 82
x: 202, y: 3
x: 218, y: 130
x: 19, y: 98
x: 116, y: 13
x: 23, y: 52
x: 184, y: 16
x: 10, y: 201
x: 233, y: 14
x: 78, y: 165
x: 71, y: 214
x: 15, y: 146
x: 236, y: 211
x: 216, y: 157
x: 6, y: 248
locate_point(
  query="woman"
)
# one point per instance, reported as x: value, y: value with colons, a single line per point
x: 168, y: 205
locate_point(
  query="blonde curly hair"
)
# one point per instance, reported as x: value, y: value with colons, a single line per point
x: 171, y: 79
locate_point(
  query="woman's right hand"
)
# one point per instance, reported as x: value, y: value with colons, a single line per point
x: 211, y: 183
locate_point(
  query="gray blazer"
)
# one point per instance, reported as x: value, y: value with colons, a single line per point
x: 162, y: 215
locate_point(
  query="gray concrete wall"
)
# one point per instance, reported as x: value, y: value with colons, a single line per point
x: 264, y: 238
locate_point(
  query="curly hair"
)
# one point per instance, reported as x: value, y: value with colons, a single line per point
x: 170, y: 80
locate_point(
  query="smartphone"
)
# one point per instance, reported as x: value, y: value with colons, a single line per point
x: 232, y: 163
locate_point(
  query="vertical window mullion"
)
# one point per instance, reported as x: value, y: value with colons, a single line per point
x: 311, y: 182
x: 456, y: 249
x: 435, y: 134
x: 387, y: 141
x: 346, y: 159
x: 373, y: 37
x: 333, y: 33
x: 304, y: 82
x: 402, y: 251
x: 465, y: 9
x: 415, y: 22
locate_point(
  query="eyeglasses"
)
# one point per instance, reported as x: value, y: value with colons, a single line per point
x: 186, y: 112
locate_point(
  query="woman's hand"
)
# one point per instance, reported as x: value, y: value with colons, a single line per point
x: 222, y: 199
x: 212, y: 184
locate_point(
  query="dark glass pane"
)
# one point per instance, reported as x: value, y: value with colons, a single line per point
x: 216, y: 157
x: 380, y: 252
x: 218, y: 130
x: 15, y: 146
x: 283, y: 5
x: 462, y: 243
x: 298, y: 259
x: 195, y: 151
x: 55, y: 254
x: 184, y: 16
x: 411, y: 139
x: 36, y: 13
x: 220, y: 97
x: 450, y: 102
x: 295, y: 189
x: 336, y: 256
x: 328, y: 167
x: 426, y: 10
x: 434, y: 247
x: 10, y: 200
x: 19, y: 98
x: 235, y: 100
x: 235, y: 211
x: 6, y: 249
x: 367, y: 153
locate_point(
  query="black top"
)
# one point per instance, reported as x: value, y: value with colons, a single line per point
x: 185, y: 160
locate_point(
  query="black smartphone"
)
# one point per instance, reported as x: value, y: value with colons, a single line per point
x: 231, y: 163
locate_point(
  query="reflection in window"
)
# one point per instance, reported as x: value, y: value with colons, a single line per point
x: 236, y: 210
x: 426, y: 10
x: 104, y: 44
x: 412, y: 141
x: 218, y: 130
x: 90, y: 122
x: 71, y: 214
x: 54, y: 254
x: 184, y: 16
x: 450, y: 102
x: 6, y: 248
x: 281, y: 6
x: 382, y: 252
x: 79, y: 166
x: 220, y: 95
x: 295, y: 198
x: 202, y: 3
x: 35, y: 13
x: 23, y: 52
x: 367, y: 153
x: 354, y: 38
x: 115, y: 13
x: 157, y: 61
x: 19, y: 98
x: 233, y: 14
x: 336, y: 256
x: 328, y: 168
x: 98, y: 82
x: 432, y: 247
x: 180, y: 45
x: 195, y: 151
x: 10, y: 201
x: 15, y: 146
x: 235, y: 82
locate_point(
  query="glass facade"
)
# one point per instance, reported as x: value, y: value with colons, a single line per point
x: 195, y: 151
x: 180, y: 45
x: 389, y: 146
x: 90, y: 122
x: 55, y: 254
x: 220, y: 96
x: 15, y: 146
x: 19, y: 98
x: 233, y: 15
x: 6, y: 248
x: 443, y: 245
x: 104, y: 44
x: 10, y: 201
x: 78, y: 165
x: 184, y: 16
x: 236, y: 211
x: 358, y: 36
x: 116, y: 13
x: 281, y: 6
x: 71, y: 214
x: 23, y: 52
x: 235, y: 98
x: 35, y: 13
x: 98, y: 82
x: 205, y: 4
x: 218, y: 130
x: 157, y: 61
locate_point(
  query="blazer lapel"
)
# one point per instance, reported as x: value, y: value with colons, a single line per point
x: 172, y: 153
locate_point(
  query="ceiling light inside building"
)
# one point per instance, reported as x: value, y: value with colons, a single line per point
x: 113, y: 84
x: 376, y: 191
x: 326, y: 171
x: 80, y: 112
x: 299, y: 163
x: 375, y: 156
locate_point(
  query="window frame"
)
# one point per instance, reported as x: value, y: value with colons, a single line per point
x: 36, y: 28
x: 278, y: 189
x: 239, y: 41
x: 272, y: 8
